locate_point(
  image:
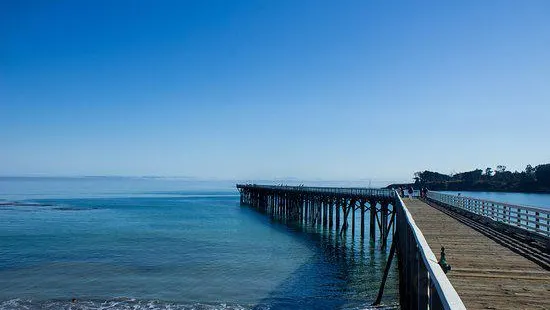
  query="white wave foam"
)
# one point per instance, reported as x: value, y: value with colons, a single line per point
x: 133, y: 304
x: 115, y: 304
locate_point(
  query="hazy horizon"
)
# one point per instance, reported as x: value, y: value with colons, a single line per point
x: 287, y: 181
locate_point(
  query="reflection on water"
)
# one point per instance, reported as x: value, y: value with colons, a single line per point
x: 357, y: 263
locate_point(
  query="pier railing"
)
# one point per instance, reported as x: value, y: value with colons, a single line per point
x: 428, y: 286
x: 348, y: 191
x: 536, y: 220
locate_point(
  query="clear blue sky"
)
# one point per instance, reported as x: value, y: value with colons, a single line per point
x: 266, y: 89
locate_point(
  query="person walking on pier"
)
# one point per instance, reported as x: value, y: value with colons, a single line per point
x: 410, y: 192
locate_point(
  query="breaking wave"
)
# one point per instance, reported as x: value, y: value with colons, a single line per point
x: 133, y: 304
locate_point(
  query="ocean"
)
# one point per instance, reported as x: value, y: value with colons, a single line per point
x: 146, y: 243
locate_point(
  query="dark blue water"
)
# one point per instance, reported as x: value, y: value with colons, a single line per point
x: 170, y: 244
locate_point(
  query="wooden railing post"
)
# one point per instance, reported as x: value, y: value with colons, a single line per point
x: 422, y: 283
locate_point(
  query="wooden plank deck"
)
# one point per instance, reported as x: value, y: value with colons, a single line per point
x: 485, y: 274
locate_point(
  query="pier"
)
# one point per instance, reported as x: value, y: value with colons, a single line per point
x: 498, y: 253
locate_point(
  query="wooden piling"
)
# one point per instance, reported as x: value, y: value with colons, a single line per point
x: 362, y: 208
x: 330, y: 215
x: 353, y: 220
x: 372, y: 223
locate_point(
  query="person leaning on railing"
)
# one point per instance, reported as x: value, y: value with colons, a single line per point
x: 423, y: 192
x: 401, y: 192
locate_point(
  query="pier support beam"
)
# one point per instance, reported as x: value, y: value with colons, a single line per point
x: 386, y: 272
x: 330, y: 214
x: 384, y: 222
x: 338, y: 204
x: 362, y: 218
x: 325, y: 211
x: 372, y: 223
x: 347, y: 209
x: 352, y: 210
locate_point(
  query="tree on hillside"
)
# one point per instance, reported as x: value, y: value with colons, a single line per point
x: 501, y: 169
x: 430, y: 176
x: 542, y: 174
x: 532, y: 179
x: 469, y: 176
x: 528, y: 175
x: 529, y: 170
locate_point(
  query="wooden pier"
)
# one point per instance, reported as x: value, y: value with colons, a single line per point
x: 499, y: 253
x: 381, y: 213
x: 328, y: 207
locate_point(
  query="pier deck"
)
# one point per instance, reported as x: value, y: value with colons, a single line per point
x: 485, y: 274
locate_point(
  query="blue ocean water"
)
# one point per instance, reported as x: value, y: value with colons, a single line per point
x: 170, y: 244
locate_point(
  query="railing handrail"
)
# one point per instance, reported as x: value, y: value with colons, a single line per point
x: 507, y: 213
x: 319, y: 189
x: 507, y: 204
x: 448, y: 296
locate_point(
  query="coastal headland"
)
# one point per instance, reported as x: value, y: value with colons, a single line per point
x: 531, y: 180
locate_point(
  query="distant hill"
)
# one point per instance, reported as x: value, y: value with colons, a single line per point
x: 531, y: 180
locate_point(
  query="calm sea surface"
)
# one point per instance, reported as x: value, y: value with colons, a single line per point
x: 170, y: 244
